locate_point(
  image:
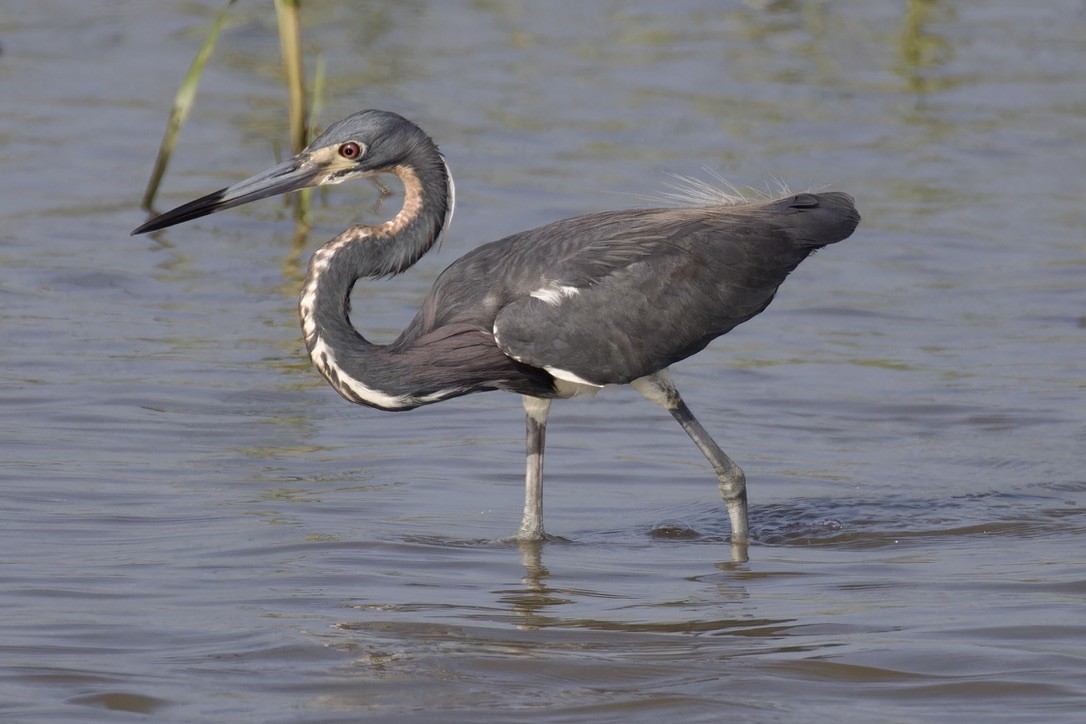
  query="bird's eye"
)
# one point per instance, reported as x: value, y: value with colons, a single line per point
x: 350, y: 150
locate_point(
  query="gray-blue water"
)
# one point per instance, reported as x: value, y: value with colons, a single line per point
x: 194, y: 527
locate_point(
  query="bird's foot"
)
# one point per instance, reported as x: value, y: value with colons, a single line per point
x: 532, y: 537
x: 738, y: 552
x: 733, y: 491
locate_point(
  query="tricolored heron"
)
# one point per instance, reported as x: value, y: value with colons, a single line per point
x: 552, y: 312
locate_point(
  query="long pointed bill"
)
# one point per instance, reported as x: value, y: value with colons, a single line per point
x: 288, y: 176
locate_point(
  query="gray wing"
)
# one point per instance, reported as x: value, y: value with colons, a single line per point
x: 611, y: 297
x: 647, y: 295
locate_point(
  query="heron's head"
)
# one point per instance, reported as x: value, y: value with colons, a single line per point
x: 363, y: 144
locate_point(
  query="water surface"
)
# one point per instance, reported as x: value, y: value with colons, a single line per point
x: 194, y: 527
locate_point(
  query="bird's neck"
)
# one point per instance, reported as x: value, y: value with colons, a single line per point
x: 356, y: 368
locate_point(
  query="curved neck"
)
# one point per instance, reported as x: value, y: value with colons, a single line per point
x: 356, y: 368
x: 397, y: 244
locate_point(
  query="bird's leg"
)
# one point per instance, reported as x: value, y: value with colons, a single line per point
x: 660, y: 389
x: 531, y: 527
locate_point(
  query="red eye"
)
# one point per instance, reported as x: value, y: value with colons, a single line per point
x: 350, y: 150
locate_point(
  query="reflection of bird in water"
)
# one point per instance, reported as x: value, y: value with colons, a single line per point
x: 552, y: 312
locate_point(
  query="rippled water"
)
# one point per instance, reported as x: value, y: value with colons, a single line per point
x: 196, y: 528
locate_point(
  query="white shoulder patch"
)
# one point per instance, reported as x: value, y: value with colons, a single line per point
x: 554, y: 293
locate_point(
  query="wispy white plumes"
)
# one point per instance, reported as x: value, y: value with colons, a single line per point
x: 718, y: 191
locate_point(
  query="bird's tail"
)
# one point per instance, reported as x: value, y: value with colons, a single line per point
x: 815, y: 220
